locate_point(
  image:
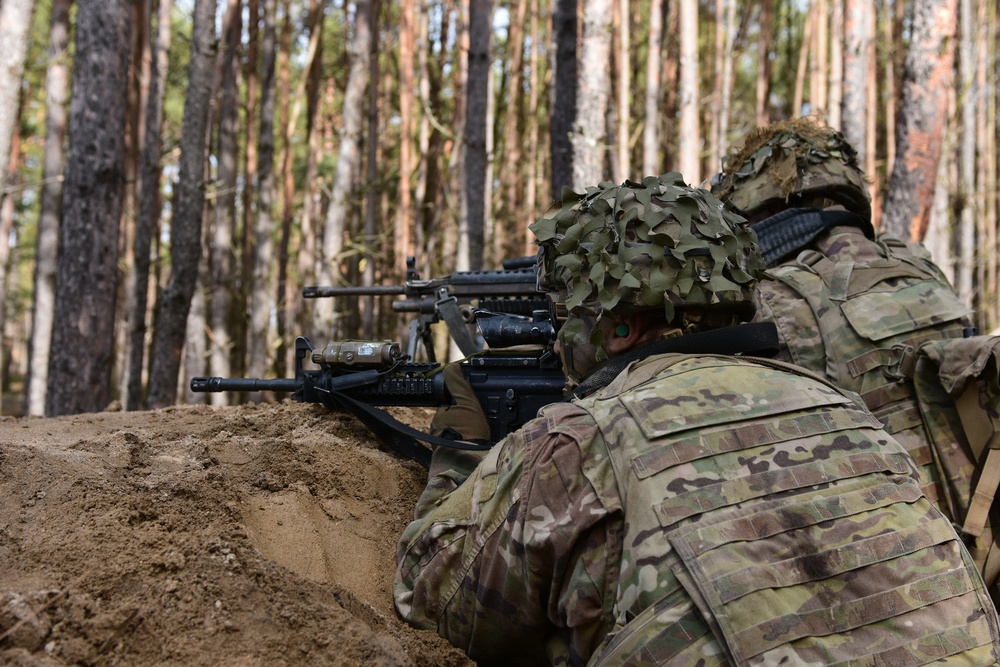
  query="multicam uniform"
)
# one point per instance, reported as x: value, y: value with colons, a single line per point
x: 855, y: 310
x: 698, y: 510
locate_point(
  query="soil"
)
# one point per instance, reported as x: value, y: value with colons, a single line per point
x: 244, y: 535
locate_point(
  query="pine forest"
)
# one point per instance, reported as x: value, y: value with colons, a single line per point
x: 174, y: 172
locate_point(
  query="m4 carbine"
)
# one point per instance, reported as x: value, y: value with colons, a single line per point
x: 516, y: 376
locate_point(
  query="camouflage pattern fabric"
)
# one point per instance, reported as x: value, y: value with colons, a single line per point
x: 669, y: 519
x: 856, y: 311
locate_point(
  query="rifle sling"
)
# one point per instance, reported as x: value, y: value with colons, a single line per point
x: 758, y: 339
x: 399, y: 437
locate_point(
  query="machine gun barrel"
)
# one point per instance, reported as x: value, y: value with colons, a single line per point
x: 218, y: 384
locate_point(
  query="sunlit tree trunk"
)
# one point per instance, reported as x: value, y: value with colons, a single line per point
x: 623, y: 93
x: 968, y: 95
x: 533, y: 169
x: 174, y: 303
x: 512, y: 177
x: 47, y: 243
x: 348, y: 161
x: 654, y: 100
x: 836, y: 62
x: 371, y: 178
x: 764, y: 62
x: 689, y: 162
x: 403, y: 245
x: 927, y: 71
x: 472, y: 222
x: 858, y: 30
x: 243, y: 295
x: 803, y: 63
x: 15, y: 22
x: 83, y: 332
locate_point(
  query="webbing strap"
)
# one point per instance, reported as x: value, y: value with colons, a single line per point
x: 986, y: 490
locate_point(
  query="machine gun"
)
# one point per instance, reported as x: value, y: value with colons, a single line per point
x: 452, y: 300
x: 516, y: 376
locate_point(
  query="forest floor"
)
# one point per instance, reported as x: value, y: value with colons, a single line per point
x: 245, y: 535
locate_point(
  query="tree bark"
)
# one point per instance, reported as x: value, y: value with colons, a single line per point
x: 926, y: 72
x: 174, y: 302
x: 403, y: 241
x: 859, y: 30
x: 472, y: 224
x: 836, y: 63
x: 15, y: 22
x: 221, y: 260
x: 83, y: 332
x: 371, y: 176
x: 531, y: 186
x: 348, y: 161
x: 47, y: 243
x: 623, y: 94
x: 654, y: 99
x: 689, y: 161
x: 243, y: 295
x: 260, y: 308
x: 593, y: 87
x: 564, y: 95
x: 968, y: 95
x: 515, y: 216
x: 803, y: 63
x: 764, y: 62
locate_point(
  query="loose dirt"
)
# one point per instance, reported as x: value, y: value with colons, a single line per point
x: 245, y: 535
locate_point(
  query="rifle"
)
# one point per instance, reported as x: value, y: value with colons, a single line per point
x: 510, y: 382
x: 512, y: 290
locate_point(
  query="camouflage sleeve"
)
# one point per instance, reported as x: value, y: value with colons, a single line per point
x: 525, y: 548
x: 799, y: 339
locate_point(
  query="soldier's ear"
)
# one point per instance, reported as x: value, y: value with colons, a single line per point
x: 628, y: 329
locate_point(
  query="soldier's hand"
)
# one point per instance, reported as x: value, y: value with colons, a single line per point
x: 465, y: 420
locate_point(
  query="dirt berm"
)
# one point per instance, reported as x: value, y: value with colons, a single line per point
x: 246, y: 535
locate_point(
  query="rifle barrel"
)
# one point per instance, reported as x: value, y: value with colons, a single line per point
x: 314, y: 292
x: 217, y: 384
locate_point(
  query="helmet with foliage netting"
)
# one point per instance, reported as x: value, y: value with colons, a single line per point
x: 794, y: 158
x: 638, y: 246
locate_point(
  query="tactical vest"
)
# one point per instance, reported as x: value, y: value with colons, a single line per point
x: 767, y: 516
x: 875, y: 305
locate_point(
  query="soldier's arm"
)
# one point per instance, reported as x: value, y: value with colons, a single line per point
x: 497, y: 557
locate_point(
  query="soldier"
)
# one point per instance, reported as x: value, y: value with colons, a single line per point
x: 851, y: 305
x: 688, y: 505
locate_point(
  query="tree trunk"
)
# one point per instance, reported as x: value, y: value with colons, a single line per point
x: 803, y: 62
x: 149, y: 208
x: 403, y: 242
x: 689, y: 161
x: 283, y: 351
x: 892, y: 100
x: 15, y: 22
x: 859, y: 30
x: 515, y: 216
x: 312, y: 204
x: 967, y: 154
x: 83, y: 332
x: 348, y: 160
x: 927, y: 72
x: 472, y: 224
x: 260, y: 309
x: 174, y: 302
x: 221, y: 260
x: 592, y: 90
x: 564, y: 95
x: 836, y: 63
x: 250, y: 160
x: 654, y: 100
x: 47, y: 244
x: 764, y: 62
x: 371, y: 200
x: 818, y: 80
x: 623, y: 95
x: 531, y: 132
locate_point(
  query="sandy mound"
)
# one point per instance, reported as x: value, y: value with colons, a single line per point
x: 250, y: 535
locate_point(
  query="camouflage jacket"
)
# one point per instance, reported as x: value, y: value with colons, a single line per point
x: 669, y: 518
x: 855, y: 310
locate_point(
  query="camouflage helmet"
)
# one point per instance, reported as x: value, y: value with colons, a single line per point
x: 658, y: 244
x: 792, y: 158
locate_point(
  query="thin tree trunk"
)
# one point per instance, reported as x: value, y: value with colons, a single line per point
x: 283, y: 351
x: 967, y: 154
x: 260, y: 309
x: 15, y: 22
x: 592, y: 90
x: 174, y: 303
x: 243, y: 294
x: 669, y: 85
x: 371, y: 176
x: 803, y: 63
x: 348, y: 160
x: 927, y: 71
x: 9, y: 233
x: 726, y: 99
x: 764, y: 62
x: 531, y: 187
x: 871, y: 128
x: 818, y: 80
x: 624, y: 93
x: 403, y: 242
x: 888, y: 33
x: 859, y: 30
x: 689, y: 161
x: 563, y: 100
x: 991, y: 250
x: 221, y: 259
x: 83, y: 331
x: 836, y: 62
x: 472, y: 222
x: 47, y: 244
x: 312, y: 204
x: 514, y: 215
x: 654, y: 64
